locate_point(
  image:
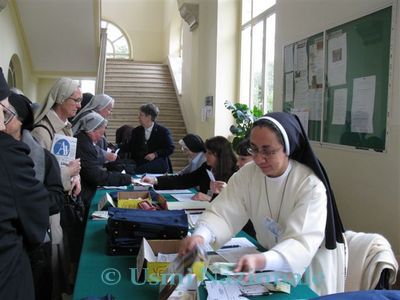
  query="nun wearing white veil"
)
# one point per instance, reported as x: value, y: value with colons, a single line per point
x: 286, y: 193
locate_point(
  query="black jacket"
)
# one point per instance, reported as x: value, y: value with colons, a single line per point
x: 160, y: 141
x: 198, y: 178
x: 24, y: 217
x: 93, y: 173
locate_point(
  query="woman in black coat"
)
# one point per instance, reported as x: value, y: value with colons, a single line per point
x: 91, y: 129
x: 220, y: 160
x: 24, y: 217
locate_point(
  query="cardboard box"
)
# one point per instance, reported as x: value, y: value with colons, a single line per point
x: 161, y: 201
x: 150, y: 270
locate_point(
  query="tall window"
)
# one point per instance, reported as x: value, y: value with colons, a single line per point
x: 257, y: 53
x: 117, y: 42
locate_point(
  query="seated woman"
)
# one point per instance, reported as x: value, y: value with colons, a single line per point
x: 219, y: 158
x: 90, y: 129
x: 194, y: 147
x: 286, y: 193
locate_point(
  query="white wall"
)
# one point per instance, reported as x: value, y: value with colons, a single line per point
x: 366, y: 185
x: 210, y: 66
x: 143, y: 21
x: 12, y: 43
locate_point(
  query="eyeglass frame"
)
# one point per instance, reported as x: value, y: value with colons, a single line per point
x: 264, y: 153
x: 11, y: 114
x: 76, y: 100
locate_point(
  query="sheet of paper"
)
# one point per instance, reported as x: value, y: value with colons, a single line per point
x: 236, y: 242
x: 362, y: 108
x: 139, y: 181
x: 104, y: 200
x: 289, y: 87
x: 100, y: 215
x: 233, y: 255
x: 303, y: 116
x: 218, y: 290
x: 211, y: 175
x: 63, y: 148
x: 337, y: 60
x: 316, y: 65
x: 185, y: 202
x: 288, y: 58
x: 162, y: 257
x: 174, y: 191
x: 339, y: 107
x: 111, y: 187
x: 314, y: 104
x: 184, y: 197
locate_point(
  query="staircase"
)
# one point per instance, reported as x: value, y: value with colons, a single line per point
x: 132, y: 84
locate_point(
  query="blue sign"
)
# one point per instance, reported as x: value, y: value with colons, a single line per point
x: 62, y: 147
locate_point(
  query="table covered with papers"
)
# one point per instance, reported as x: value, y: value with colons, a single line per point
x: 99, y: 274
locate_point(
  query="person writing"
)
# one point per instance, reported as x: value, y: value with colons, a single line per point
x: 90, y: 129
x: 219, y: 158
x: 286, y: 193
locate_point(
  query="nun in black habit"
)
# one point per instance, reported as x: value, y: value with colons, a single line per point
x: 286, y: 193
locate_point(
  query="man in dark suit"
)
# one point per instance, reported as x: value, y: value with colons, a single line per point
x: 24, y: 208
x: 151, y: 144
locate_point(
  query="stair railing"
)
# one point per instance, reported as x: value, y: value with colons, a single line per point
x: 101, y: 70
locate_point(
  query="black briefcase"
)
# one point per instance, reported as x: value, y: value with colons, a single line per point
x: 123, y: 246
x: 127, y: 227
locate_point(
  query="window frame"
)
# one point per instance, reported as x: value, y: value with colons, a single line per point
x: 262, y: 17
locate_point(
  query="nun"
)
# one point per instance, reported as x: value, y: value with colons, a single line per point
x: 195, y: 149
x: 90, y: 129
x: 286, y: 194
x: 103, y: 105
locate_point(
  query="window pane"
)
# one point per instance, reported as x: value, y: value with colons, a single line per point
x: 121, y: 46
x: 88, y: 86
x: 257, y: 94
x: 113, y: 33
x: 110, y: 49
x: 260, y: 6
x: 245, y: 67
x: 269, y: 63
x: 246, y: 11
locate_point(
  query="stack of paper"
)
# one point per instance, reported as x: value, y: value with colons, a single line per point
x: 185, y: 202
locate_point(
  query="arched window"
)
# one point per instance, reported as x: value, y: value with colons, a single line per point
x: 14, y: 76
x: 117, y: 42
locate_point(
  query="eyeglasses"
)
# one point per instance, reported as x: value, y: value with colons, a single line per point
x: 77, y: 100
x: 264, y: 153
x: 8, y: 114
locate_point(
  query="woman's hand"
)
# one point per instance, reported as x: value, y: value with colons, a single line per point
x: 74, y: 167
x: 75, y: 186
x: 149, y: 179
x: 217, y: 186
x: 250, y: 263
x: 201, y: 197
x: 189, y: 243
x: 150, y: 156
x: 111, y: 156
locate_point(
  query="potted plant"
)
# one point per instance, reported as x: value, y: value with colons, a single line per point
x: 244, y: 118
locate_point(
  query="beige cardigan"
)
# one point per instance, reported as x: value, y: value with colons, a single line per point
x: 369, y: 254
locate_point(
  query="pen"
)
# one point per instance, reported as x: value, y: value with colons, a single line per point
x: 230, y: 246
x: 255, y: 294
x: 143, y: 176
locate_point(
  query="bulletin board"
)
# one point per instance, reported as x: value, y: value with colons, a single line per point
x: 338, y: 82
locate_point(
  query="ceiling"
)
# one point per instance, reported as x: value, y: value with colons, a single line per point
x: 62, y: 36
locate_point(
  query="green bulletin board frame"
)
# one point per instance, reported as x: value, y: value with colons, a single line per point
x: 368, y: 44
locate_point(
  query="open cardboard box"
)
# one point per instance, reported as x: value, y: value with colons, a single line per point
x: 150, y: 270
x: 161, y: 201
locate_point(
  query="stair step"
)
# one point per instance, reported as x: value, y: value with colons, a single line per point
x: 133, y: 84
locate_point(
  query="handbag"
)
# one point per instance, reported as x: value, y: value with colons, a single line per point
x: 73, y: 224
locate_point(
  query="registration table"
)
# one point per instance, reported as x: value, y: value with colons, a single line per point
x: 100, y: 274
